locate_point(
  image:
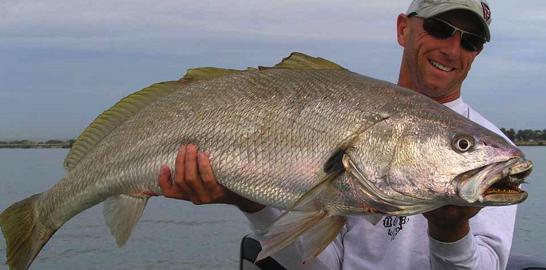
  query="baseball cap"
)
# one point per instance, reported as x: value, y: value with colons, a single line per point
x: 430, y: 8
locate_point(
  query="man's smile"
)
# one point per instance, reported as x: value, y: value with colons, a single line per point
x: 440, y: 66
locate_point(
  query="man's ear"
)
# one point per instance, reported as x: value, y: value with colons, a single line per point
x: 402, y: 29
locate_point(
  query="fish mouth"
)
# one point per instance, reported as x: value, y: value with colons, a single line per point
x: 496, y: 183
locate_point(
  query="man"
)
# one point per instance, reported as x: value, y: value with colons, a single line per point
x: 441, y: 39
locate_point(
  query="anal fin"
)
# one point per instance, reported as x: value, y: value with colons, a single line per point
x: 122, y: 213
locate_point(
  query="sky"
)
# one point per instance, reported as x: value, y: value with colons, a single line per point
x: 64, y: 62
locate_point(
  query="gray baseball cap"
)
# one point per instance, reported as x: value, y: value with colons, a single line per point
x: 430, y: 8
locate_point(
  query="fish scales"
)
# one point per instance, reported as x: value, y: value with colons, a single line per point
x: 249, y: 160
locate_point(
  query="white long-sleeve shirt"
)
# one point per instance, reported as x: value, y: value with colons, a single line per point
x: 403, y: 242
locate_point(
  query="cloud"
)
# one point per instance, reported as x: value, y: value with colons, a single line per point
x: 146, y: 25
x: 70, y: 60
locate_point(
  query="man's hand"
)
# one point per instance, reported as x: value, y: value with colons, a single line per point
x: 194, y: 181
x: 450, y: 223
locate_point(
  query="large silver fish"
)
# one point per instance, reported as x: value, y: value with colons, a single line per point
x: 305, y: 135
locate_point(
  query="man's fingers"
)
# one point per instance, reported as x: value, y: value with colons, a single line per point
x: 205, y: 170
x: 190, y: 163
x: 164, y: 178
x: 181, y: 188
x: 192, y: 177
x: 194, y: 181
x: 179, y: 164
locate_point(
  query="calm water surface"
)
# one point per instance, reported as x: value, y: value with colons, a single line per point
x: 177, y: 235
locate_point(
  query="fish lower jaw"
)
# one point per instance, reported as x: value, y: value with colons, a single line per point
x: 503, y: 191
x: 504, y: 198
x: 497, y: 197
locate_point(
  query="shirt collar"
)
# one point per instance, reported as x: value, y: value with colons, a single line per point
x: 458, y: 106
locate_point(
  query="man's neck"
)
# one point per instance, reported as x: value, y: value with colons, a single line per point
x: 448, y: 98
x: 441, y: 99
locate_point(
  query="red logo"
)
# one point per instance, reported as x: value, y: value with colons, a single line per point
x: 486, y: 11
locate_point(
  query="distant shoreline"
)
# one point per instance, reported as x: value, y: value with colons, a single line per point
x: 27, y: 144
x: 37, y: 146
x: 533, y: 143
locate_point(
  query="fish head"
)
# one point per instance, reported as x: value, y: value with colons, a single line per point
x: 500, y: 169
x: 428, y: 163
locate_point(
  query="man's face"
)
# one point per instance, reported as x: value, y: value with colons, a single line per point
x: 432, y: 66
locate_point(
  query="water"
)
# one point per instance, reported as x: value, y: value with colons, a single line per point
x: 529, y: 236
x: 172, y: 234
x: 177, y: 235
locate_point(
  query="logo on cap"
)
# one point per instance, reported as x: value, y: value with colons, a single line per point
x: 486, y: 11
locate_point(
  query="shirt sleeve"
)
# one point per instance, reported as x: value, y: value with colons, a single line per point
x: 291, y: 257
x: 486, y: 246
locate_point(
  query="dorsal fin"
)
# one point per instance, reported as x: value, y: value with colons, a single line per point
x: 298, y: 60
x: 207, y: 73
x: 113, y: 117
x: 295, y: 60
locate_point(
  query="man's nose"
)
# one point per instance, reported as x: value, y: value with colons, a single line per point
x: 453, y: 44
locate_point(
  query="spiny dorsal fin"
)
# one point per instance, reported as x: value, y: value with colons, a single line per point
x: 113, y: 117
x: 207, y: 73
x: 298, y: 60
x: 295, y: 60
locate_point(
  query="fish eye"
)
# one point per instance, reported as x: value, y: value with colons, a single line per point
x: 462, y: 143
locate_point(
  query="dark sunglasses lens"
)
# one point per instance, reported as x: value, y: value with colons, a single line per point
x: 441, y: 30
x: 437, y: 29
x: 471, y: 43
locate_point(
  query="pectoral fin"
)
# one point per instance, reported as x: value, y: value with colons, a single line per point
x: 318, y: 229
x: 310, y: 200
x: 316, y: 239
x: 122, y: 213
x: 308, y: 214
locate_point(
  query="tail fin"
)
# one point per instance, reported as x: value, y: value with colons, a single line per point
x: 24, y: 236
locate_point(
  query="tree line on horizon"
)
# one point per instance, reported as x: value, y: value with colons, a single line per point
x: 525, y: 135
x: 36, y: 144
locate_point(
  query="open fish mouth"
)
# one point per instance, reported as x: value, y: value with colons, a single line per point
x: 495, y: 184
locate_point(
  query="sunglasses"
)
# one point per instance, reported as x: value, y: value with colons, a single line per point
x: 441, y: 29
